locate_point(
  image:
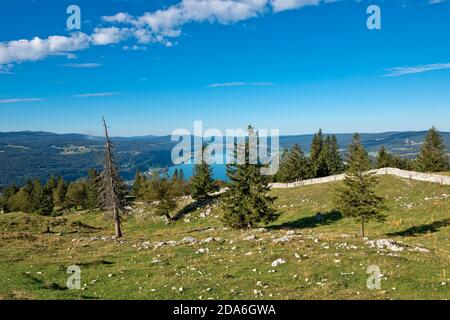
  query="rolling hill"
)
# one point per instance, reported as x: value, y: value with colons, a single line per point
x: 26, y: 154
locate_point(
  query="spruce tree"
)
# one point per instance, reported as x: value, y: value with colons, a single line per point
x: 433, y: 156
x: 296, y: 166
x: 76, y: 195
x: 162, y: 193
x: 93, y: 190
x: 334, y: 161
x: 59, y: 193
x: 5, y: 196
x: 283, y: 174
x: 321, y: 164
x: 384, y: 158
x: 46, y: 204
x: 356, y: 197
x: 23, y: 199
x: 138, y: 188
x: 202, y: 182
x: 247, y: 201
x: 315, y: 151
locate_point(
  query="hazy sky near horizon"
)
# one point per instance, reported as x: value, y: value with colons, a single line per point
x: 150, y: 67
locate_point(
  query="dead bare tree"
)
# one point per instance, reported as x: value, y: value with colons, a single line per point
x: 112, y: 193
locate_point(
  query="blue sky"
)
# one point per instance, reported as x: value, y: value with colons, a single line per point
x: 296, y: 65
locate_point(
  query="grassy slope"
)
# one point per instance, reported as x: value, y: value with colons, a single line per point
x: 33, y: 265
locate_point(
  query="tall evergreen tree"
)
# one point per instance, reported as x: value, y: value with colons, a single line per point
x: 283, y: 174
x: 93, y: 186
x: 59, y: 193
x: 384, y: 158
x: 76, y: 195
x: 5, y: 195
x: 162, y: 192
x: 433, y: 156
x: 321, y: 164
x: 315, y: 151
x: 247, y: 201
x: 23, y: 199
x: 334, y: 161
x: 356, y: 197
x: 202, y: 182
x: 138, y: 188
x: 295, y: 165
x: 45, y: 201
x: 112, y: 195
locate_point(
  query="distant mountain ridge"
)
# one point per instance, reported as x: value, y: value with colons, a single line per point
x: 28, y: 154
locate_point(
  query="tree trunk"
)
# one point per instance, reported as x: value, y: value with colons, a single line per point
x: 362, y: 227
x: 117, y: 224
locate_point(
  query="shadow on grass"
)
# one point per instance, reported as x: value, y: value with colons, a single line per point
x: 319, y: 219
x: 424, y: 228
x: 44, y: 284
x: 193, y: 206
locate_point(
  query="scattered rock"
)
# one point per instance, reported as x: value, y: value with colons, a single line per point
x: 278, y: 262
x: 189, y: 240
x: 282, y: 239
x: 202, y: 251
x: 388, y: 244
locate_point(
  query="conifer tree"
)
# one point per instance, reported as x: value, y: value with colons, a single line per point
x: 112, y: 195
x: 23, y: 199
x: 433, y: 156
x: 138, y: 188
x: 334, y: 161
x: 295, y: 165
x: 162, y: 193
x: 5, y: 195
x: 202, y: 182
x: 321, y: 164
x: 283, y: 174
x: 59, y: 193
x: 76, y: 195
x: 93, y: 186
x: 45, y: 200
x: 356, y: 197
x: 247, y: 201
x: 384, y: 158
x: 315, y: 151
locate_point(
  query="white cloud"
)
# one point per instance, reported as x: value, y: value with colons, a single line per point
x: 96, y: 94
x: 121, y: 17
x: 226, y: 84
x: 37, y: 48
x: 239, y: 84
x: 400, y: 71
x: 15, y: 100
x: 82, y: 65
x: 436, y: 1
x: 283, y: 5
x: 161, y: 26
x: 112, y: 35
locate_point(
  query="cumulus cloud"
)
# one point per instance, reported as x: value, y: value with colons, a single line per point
x: 160, y: 26
x: 400, y: 71
x: 283, y: 5
x: 37, y: 48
